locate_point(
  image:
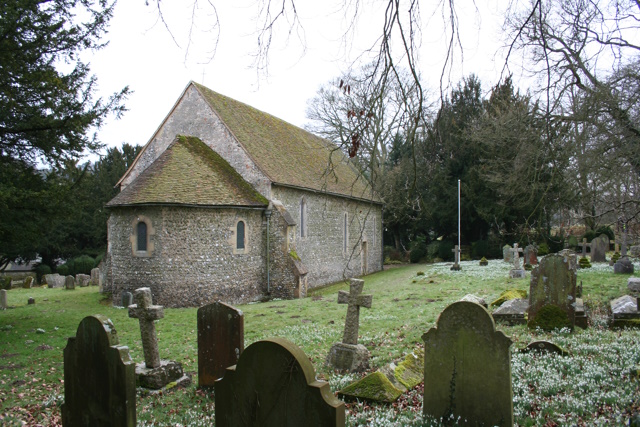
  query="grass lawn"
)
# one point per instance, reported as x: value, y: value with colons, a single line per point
x: 592, y: 386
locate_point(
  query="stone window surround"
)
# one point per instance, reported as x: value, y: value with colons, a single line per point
x: 303, y: 219
x: 232, y: 240
x: 133, y: 238
x: 345, y: 234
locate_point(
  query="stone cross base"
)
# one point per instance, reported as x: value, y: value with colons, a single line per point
x: 623, y: 266
x: 456, y: 267
x: 348, y: 357
x: 517, y: 274
x: 158, y: 378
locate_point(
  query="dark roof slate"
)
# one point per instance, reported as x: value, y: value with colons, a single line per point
x: 287, y: 154
x: 189, y: 173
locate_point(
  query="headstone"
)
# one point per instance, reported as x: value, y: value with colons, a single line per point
x: 274, y: 384
x: 531, y: 255
x: 467, y: 369
x: 127, y: 298
x: 28, y: 282
x: 54, y: 280
x: 553, y: 283
x: 69, y: 282
x: 153, y: 373
x: 3, y: 299
x: 31, y: 300
x: 512, y: 311
x: 456, y: 254
x: 220, y: 341
x: 507, y: 253
x: 599, y: 247
x: 99, y: 379
x: 517, y: 272
x: 634, y: 251
x: 584, y: 245
x: 348, y: 354
x: 624, y: 306
x: 633, y: 284
x: 95, y: 277
x: 83, y: 280
x: 545, y: 347
x: 476, y: 299
x: 623, y: 266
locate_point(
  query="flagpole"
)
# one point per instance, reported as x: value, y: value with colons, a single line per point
x: 459, y: 245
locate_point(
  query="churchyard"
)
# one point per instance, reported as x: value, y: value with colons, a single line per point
x: 596, y: 383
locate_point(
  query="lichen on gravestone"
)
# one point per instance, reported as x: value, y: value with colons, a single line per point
x: 507, y: 295
x: 374, y: 387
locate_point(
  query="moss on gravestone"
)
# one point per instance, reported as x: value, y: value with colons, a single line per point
x: 584, y: 262
x: 509, y: 294
x: 374, y: 387
x: 549, y: 318
x: 625, y: 323
x: 410, y: 372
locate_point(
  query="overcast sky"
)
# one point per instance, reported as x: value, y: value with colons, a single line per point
x: 153, y: 61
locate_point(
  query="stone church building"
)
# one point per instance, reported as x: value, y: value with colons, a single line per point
x: 227, y: 202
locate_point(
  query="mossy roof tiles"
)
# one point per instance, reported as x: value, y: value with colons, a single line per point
x: 287, y: 154
x: 189, y: 173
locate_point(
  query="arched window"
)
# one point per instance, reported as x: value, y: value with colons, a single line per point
x: 303, y: 218
x: 141, y: 233
x: 240, y: 235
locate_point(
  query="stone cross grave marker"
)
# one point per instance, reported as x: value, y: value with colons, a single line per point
x: 553, y: 283
x: 146, y: 313
x: 3, y: 299
x: 467, y: 366
x: 355, y: 300
x: 99, y: 377
x: 274, y: 384
x: 584, y: 245
x: 516, y: 256
x: 220, y: 341
x: 348, y: 354
x: 456, y: 254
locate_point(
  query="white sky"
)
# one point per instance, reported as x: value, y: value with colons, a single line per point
x: 142, y: 54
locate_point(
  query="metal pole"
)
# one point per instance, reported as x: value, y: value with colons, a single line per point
x: 459, y: 246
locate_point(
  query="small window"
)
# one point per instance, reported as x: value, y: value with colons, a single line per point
x: 141, y: 232
x: 240, y: 235
x: 303, y: 218
x: 345, y: 233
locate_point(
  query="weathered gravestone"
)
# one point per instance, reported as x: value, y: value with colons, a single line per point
x: 507, y: 253
x: 633, y: 284
x: 83, y: 280
x: 634, y: 251
x: 531, y: 255
x: 348, y: 354
x: 517, y: 272
x: 220, y: 341
x: 54, y: 280
x: 28, y: 282
x: 467, y: 369
x: 599, y: 247
x: 512, y: 311
x: 545, y: 347
x: 99, y: 378
x: 31, y: 300
x: 3, y: 299
x: 274, y: 385
x: 95, y: 277
x: 126, y: 298
x: 623, y: 266
x: 456, y: 257
x: 153, y: 373
x: 69, y: 282
x: 552, y: 292
x: 624, y: 311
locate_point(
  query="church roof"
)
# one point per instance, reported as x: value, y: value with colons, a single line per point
x: 287, y: 154
x: 188, y: 172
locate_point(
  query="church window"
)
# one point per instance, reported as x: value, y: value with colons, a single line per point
x: 345, y: 233
x: 141, y: 240
x: 240, y: 235
x: 303, y: 218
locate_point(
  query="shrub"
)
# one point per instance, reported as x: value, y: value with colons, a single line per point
x: 589, y: 235
x: 5, y: 283
x: 606, y: 230
x: 65, y: 269
x: 418, y: 250
x: 572, y: 242
x: 480, y: 249
x: 98, y: 260
x: 432, y: 249
x: 83, y: 265
x: 549, y: 318
x: 445, y: 250
x: 392, y: 254
x: 41, y: 270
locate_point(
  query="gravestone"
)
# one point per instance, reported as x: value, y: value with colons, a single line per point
x: 126, y: 298
x: 99, y: 379
x: 476, y: 299
x: 599, y: 247
x: 54, y: 280
x: 531, y: 255
x: 348, y: 354
x: 220, y: 341
x: 623, y: 266
x: 512, y: 311
x: 83, y: 280
x: 517, y: 272
x: 28, y: 282
x: 3, y: 299
x: 467, y: 369
x: 624, y: 311
x: 507, y: 253
x: 95, y: 277
x: 274, y: 384
x: 31, y: 300
x: 456, y: 255
x: 153, y: 373
x: 69, y: 282
x: 633, y: 284
x: 634, y: 251
x: 553, y: 283
x: 545, y: 347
